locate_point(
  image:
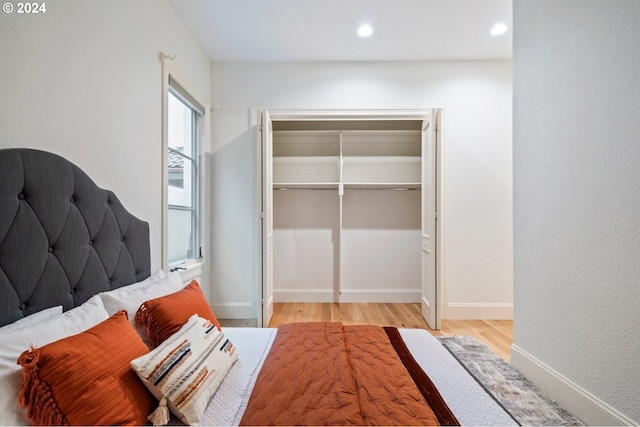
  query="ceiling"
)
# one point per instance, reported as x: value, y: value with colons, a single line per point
x: 325, y: 30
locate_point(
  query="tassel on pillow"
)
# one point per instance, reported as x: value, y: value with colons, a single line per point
x: 160, y: 416
x: 35, y: 394
x: 145, y: 319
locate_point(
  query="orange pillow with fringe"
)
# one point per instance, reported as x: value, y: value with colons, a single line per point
x: 86, y: 379
x: 164, y: 316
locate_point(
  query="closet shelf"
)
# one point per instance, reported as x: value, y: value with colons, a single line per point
x: 382, y: 185
x: 305, y: 185
x: 400, y: 186
x: 305, y: 159
x: 319, y: 169
x: 394, y: 169
x: 381, y: 159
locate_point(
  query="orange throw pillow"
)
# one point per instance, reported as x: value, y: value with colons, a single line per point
x: 164, y: 316
x: 86, y: 379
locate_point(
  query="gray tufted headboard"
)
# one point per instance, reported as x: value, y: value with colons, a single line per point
x: 62, y: 239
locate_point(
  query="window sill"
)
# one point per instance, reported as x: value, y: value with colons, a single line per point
x: 189, y: 271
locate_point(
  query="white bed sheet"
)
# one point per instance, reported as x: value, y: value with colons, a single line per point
x: 469, y: 402
x: 230, y: 400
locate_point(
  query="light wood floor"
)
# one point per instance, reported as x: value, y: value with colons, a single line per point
x: 497, y: 335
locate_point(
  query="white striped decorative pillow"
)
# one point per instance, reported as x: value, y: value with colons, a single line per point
x: 186, y: 370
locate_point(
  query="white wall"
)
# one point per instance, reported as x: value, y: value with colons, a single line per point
x: 84, y: 81
x: 477, y: 171
x: 577, y: 203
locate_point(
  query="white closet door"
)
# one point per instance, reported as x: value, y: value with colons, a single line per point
x: 266, y: 140
x: 430, y: 291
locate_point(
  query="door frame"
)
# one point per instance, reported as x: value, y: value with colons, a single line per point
x: 280, y: 114
x: 431, y: 237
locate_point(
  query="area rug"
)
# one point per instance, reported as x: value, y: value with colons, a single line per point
x: 526, y: 403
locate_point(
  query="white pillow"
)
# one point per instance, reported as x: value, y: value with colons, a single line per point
x: 132, y: 296
x: 49, y: 330
x: 32, y: 319
x: 205, y: 357
x: 156, y: 277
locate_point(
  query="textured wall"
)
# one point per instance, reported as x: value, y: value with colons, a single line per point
x: 577, y: 192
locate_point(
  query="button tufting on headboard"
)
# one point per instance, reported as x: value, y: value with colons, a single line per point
x: 61, y: 236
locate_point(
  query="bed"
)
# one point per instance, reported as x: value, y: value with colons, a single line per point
x: 82, y: 314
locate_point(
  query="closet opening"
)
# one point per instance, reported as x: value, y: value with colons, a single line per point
x: 348, y: 208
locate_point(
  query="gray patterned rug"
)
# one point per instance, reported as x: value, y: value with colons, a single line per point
x: 519, y: 396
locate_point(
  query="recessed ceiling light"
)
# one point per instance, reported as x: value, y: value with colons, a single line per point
x: 499, y: 29
x: 365, y: 30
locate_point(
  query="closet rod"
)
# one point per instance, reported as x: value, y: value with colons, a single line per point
x: 382, y: 189
x: 303, y: 188
x: 346, y: 188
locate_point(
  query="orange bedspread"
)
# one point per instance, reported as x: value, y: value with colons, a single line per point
x: 331, y: 374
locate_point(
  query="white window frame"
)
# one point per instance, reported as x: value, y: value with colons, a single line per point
x: 191, y: 268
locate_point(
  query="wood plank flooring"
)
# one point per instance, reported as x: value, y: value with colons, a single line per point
x: 497, y: 335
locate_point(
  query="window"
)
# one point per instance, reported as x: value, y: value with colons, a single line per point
x: 184, y: 116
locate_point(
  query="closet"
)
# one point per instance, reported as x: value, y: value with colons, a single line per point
x: 349, y: 208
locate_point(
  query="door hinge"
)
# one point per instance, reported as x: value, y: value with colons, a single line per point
x: 435, y: 215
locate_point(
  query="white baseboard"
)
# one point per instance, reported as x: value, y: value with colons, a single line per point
x: 471, y: 311
x: 347, y: 295
x: 381, y: 295
x: 303, y: 295
x: 588, y: 408
x: 234, y: 310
